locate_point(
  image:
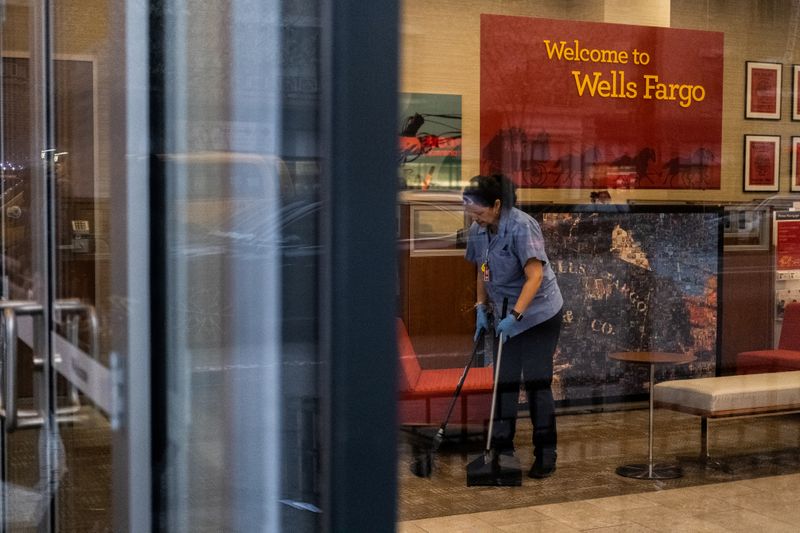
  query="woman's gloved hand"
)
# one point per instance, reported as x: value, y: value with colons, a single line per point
x: 481, y: 320
x: 504, y: 327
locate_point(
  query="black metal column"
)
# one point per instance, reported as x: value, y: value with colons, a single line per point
x: 359, y: 76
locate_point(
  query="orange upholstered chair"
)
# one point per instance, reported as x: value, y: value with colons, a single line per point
x: 425, y: 394
x: 785, y: 357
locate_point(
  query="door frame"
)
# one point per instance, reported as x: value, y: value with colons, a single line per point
x: 358, y: 329
x: 132, y: 480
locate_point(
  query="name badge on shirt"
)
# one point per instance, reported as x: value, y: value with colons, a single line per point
x: 485, y: 270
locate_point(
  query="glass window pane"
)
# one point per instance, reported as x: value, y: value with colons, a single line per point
x: 651, y: 150
x: 242, y: 192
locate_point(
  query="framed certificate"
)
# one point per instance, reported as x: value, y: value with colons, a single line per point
x: 795, y: 92
x: 794, y: 177
x: 761, y: 162
x: 763, y: 91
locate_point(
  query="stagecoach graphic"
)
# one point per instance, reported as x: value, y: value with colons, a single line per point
x: 536, y: 160
x: 692, y: 172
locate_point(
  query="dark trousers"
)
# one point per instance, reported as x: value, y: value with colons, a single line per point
x: 528, y: 357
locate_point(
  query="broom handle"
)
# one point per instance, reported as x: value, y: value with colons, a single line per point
x: 439, y: 437
x: 496, y: 379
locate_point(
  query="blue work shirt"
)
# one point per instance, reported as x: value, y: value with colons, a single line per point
x: 518, y: 239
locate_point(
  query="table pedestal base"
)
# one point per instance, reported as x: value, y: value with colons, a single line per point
x: 643, y: 471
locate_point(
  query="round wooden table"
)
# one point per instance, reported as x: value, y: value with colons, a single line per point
x: 651, y: 470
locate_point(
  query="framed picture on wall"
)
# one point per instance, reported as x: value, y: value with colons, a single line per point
x: 761, y: 162
x: 763, y: 91
x: 794, y: 177
x: 795, y: 92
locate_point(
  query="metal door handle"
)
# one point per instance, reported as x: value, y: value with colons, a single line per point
x: 74, y: 308
x: 89, y: 312
x: 11, y: 308
x: 10, y: 369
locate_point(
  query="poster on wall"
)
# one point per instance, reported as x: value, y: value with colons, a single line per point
x: 795, y: 92
x: 761, y: 163
x: 794, y: 178
x: 632, y: 282
x: 430, y: 141
x: 567, y: 104
x: 787, y: 240
x: 763, y: 91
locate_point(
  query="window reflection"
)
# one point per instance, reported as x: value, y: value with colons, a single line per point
x: 243, y: 211
x: 670, y: 262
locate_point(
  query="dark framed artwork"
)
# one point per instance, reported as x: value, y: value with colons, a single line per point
x: 795, y: 92
x: 794, y: 177
x: 761, y: 163
x: 763, y: 90
x: 631, y: 281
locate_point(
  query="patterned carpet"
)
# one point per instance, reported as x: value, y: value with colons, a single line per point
x: 591, y: 447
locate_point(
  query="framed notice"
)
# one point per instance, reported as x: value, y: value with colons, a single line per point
x: 794, y: 178
x: 787, y: 240
x: 795, y: 92
x: 763, y: 92
x: 761, y: 162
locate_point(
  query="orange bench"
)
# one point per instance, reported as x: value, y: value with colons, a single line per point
x: 425, y: 394
x: 785, y: 357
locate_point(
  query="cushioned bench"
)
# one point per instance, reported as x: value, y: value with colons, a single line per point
x: 425, y: 394
x: 729, y: 396
x: 785, y: 357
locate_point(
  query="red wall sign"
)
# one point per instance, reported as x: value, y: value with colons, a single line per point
x: 568, y: 104
x: 787, y: 248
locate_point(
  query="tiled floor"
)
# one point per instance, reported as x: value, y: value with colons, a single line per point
x: 759, y: 492
x: 770, y: 504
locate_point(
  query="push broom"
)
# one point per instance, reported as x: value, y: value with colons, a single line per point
x: 422, y: 465
x: 491, y: 468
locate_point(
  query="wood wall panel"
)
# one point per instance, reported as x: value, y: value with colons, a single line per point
x: 441, y: 296
x: 747, y: 305
x: 436, y: 297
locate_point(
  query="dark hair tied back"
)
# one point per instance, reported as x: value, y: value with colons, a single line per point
x: 485, y: 190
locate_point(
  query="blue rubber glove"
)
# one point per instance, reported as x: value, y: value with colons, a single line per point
x: 481, y: 320
x: 505, y: 326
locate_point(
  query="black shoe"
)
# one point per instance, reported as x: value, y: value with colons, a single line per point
x: 540, y: 471
x: 543, y: 467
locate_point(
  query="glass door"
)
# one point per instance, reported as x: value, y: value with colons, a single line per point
x: 56, y: 438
